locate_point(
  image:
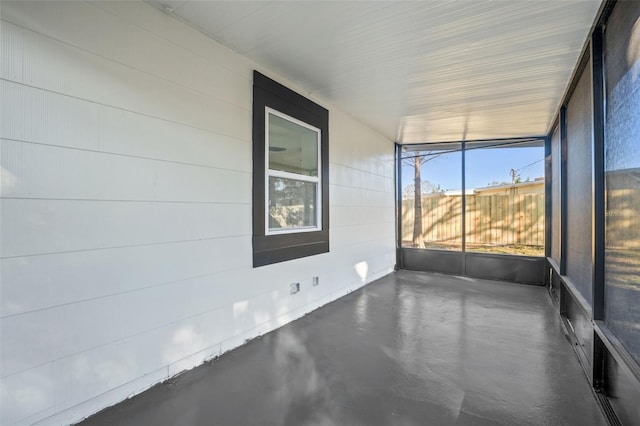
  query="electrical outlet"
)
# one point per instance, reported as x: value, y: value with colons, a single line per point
x: 316, y: 281
x: 294, y: 288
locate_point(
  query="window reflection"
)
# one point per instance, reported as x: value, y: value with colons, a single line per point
x: 292, y: 203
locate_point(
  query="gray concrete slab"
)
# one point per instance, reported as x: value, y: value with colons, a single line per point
x: 412, y: 348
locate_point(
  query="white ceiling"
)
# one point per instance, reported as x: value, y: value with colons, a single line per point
x: 417, y: 71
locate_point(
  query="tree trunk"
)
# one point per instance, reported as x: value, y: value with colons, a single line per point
x: 417, y: 221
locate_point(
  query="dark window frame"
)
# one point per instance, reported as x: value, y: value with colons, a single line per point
x: 275, y: 248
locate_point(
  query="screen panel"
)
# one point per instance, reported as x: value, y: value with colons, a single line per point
x: 579, y: 180
x: 555, y: 195
x: 432, y: 197
x: 622, y: 175
x: 504, y: 187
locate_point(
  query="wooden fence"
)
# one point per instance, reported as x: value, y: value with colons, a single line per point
x: 490, y: 219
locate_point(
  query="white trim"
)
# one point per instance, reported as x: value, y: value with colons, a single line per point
x: 292, y: 176
x: 288, y: 118
x: 279, y: 231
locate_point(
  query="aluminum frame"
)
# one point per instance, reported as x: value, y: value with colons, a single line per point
x: 505, y: 267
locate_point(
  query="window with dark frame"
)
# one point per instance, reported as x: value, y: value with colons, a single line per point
x: 290, y: 174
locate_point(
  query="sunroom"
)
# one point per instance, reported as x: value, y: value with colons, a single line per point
x: 319, y: 212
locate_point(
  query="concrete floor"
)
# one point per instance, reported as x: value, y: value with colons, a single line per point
x: 409, y: 349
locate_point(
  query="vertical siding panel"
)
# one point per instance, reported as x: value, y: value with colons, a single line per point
x: 11, y: 53
x: 521, y: 217
x: 440, y: 218
x: 495, y: 219
x: 499, y: 222
x: 505, y: 220
x: 531, y: 224
x: 488, y: 219
x: 533, y: 230
x: 512, y: 218
x: 466, y: 217
x: 433, y: 218
x: 480, y: 219
x: 427, y: 220
x: 442, y: 208
x: 473, y: 229
x: 450, y: 220
x: 541, y: 226
x: 526, y: 219
x: 532, y: 211
x: 485, y: 219
x: 448, y: 228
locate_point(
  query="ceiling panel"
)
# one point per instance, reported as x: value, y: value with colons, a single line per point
x: 416, y: 71
x: 214, y: 17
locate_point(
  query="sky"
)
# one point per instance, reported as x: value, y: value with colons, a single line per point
x: 483, y: 166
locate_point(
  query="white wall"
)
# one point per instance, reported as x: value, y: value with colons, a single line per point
x: 126, y: 208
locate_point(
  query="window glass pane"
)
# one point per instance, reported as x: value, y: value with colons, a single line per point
x: 432, y: 197
x: 292, y: 148
x: 505, y: 200
x: 292, y: 203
